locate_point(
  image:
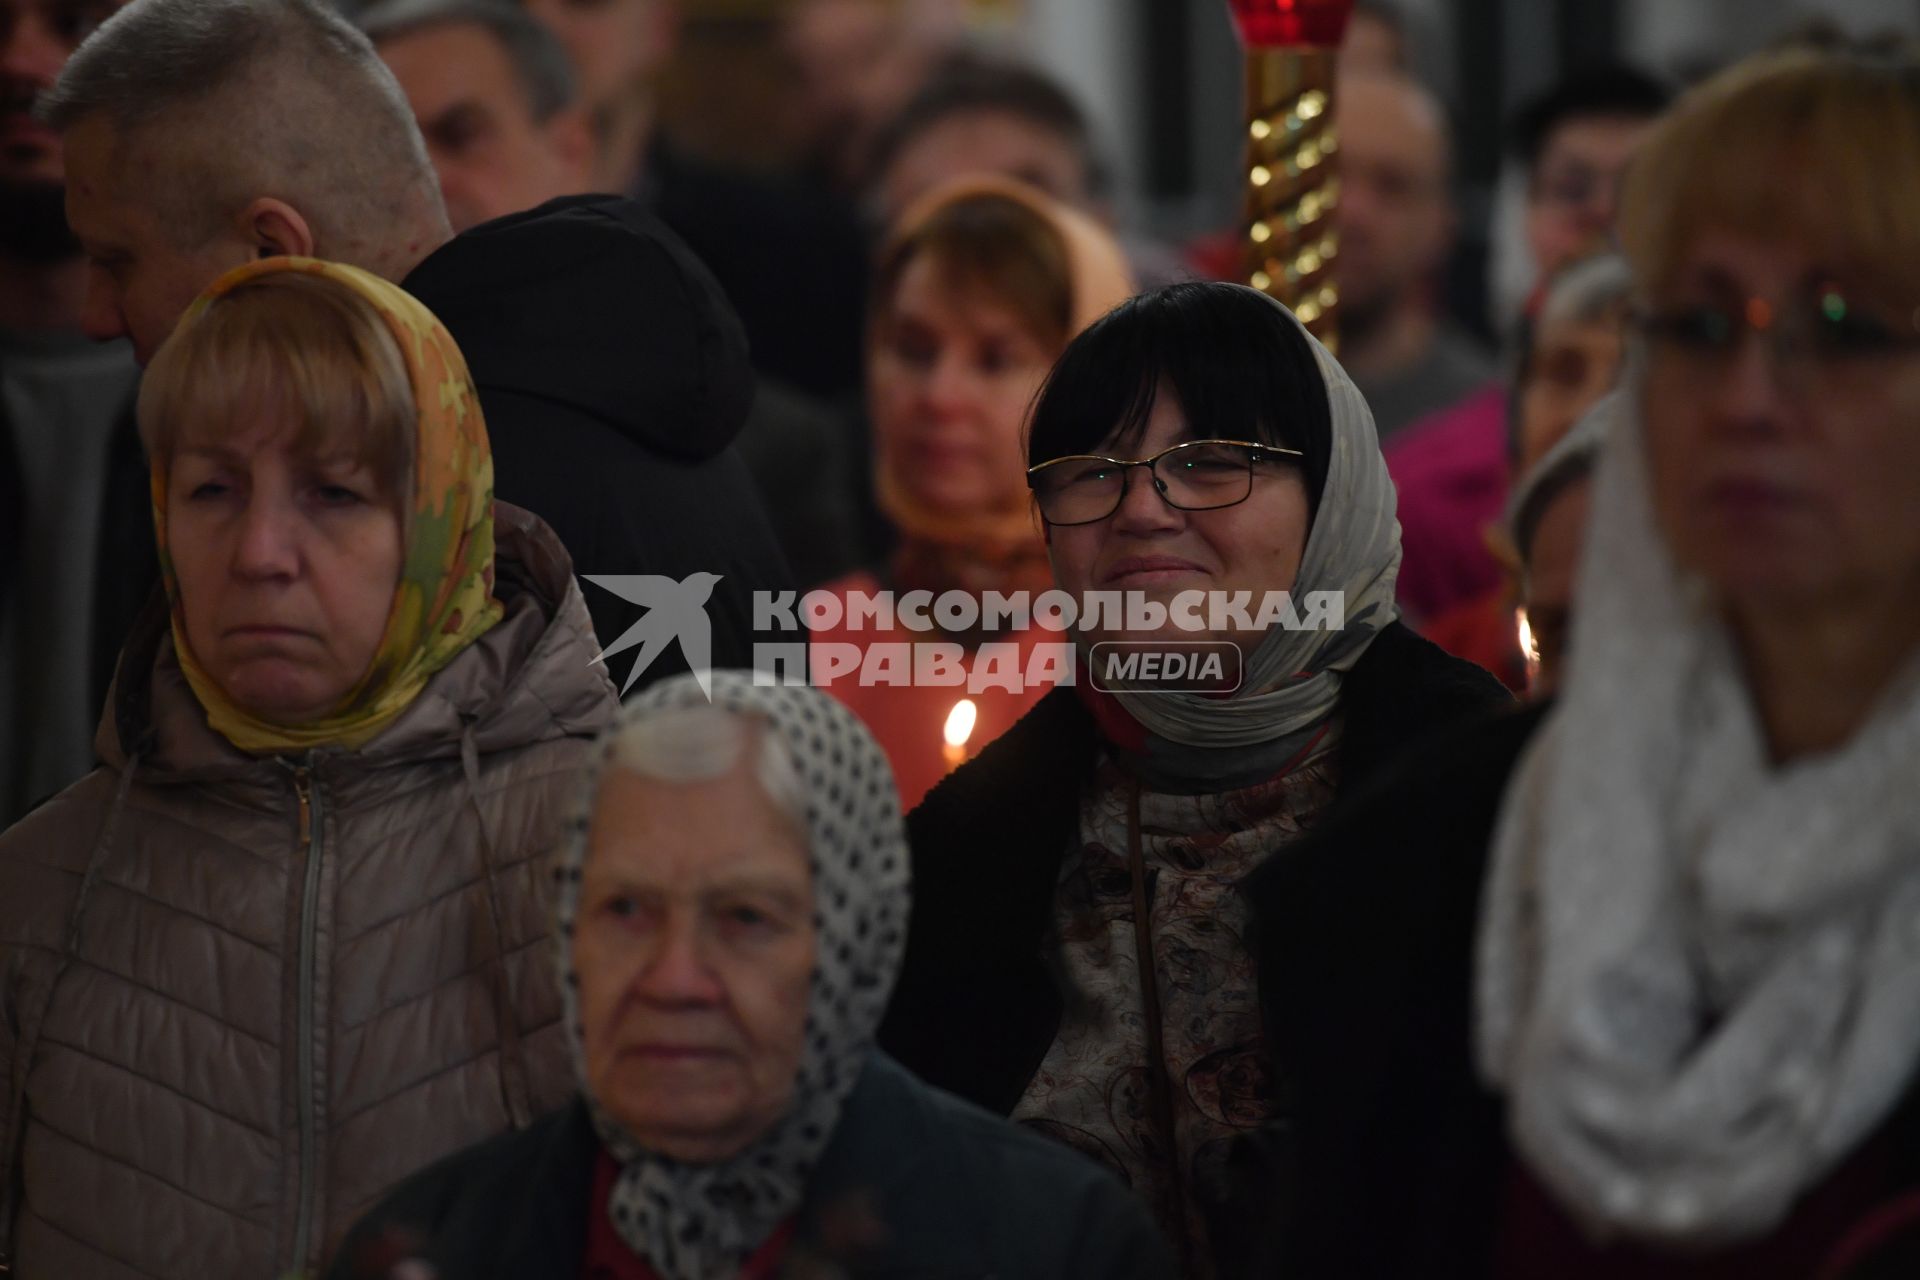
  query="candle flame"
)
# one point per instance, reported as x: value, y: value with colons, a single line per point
x: 960, y: 722
x: 1528, y: 648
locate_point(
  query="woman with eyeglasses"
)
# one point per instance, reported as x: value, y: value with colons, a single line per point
x: 1079, y: 950
x: 1637, y: 992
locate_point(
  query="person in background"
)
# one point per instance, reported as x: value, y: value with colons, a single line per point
x: 1548, y: 526
x: 732, y: 910
x: 616, y: 48
x: 1376, y: 41
x: 1575, y: 144
x: 1396, y: 222
x: 979, y: 289
x: 1567, y: 157
x: 857, y: 63
x: 493, y: 94
x: 1632, y: 992
x: 801, y: 311
x: 981, y: 115
x: 76, y: 554
x: 277, y: 951
x: 1573, y: 356
x: 1452, y: 473
x: 1078, y: 956
x: 613, y: 370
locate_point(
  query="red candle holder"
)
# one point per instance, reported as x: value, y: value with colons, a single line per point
x: 1293, y: 185
x: 1275, y: 24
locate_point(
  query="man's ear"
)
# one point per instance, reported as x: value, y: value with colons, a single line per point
x: 275, y: 228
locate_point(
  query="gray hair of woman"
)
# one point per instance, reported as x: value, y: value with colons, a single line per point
x: 732, y: 908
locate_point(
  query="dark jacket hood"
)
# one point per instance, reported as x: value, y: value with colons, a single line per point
x: 592, y: 303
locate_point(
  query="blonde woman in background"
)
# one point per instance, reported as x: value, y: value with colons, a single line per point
x: 1633, y: 989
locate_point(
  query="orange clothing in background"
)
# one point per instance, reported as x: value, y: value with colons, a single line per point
x: 910, y: 720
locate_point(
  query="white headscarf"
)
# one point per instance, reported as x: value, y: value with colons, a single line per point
x: 1699, y: 973
x: 1354, y: 548
x: 694, y: 1222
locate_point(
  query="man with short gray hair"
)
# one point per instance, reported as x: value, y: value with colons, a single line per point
x: 202, y: 134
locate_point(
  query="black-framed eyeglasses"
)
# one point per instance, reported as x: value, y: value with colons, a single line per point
x: 1199, y: 475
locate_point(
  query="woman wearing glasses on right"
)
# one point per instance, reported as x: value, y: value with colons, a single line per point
x: 1637, y: 992
x: 1078, y: 954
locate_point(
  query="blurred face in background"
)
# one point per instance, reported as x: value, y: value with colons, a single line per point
x: 855, y: 64
x: 492, y: 156
x: 953, y: 372
x: 1395, y: 218
x: 1573, y: 193
x: 1785, y: 464
x: 1373, y: 44
x: 616, y: 46
x: 694, y: 947
x: 1573, y: 363
x: 971, y: 142
x: 36, y: 39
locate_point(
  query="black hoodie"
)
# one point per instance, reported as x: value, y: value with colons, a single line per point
x: 614, y: 376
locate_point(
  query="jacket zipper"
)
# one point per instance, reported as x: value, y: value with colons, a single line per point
x: 309, y: 798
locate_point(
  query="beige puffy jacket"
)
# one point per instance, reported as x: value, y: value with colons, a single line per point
x: 240, y: 998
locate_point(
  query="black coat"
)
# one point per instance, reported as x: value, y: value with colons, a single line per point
x: 977, y: 1007
x: 614, y: 377
x: 958, y: 1193
x: 1398, y: 1159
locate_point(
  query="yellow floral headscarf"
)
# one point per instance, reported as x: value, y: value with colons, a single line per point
x: 444, y: 600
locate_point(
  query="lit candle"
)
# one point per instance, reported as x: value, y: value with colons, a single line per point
x: 960, y: 722
x: 1529, y: 647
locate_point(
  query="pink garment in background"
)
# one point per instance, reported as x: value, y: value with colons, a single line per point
x: 1450, y: 470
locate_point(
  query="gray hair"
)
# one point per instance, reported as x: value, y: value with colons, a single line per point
x: 1593, y: 290
x: 700, y: 742
x: 326, y: 126
x: 1571, y: 460
x: 539, y: 60
x: 1589, y: 291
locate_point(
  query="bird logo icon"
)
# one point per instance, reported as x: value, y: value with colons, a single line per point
x: 675, y: 610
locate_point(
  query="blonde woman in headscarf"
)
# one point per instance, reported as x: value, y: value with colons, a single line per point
x: 1640, y: 974
x: 287, y: 943
x: 978, y: 290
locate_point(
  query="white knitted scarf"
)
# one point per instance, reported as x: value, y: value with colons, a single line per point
x: 1699, y: 972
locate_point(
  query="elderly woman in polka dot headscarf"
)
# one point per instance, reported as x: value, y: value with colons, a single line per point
x: 732, y: 907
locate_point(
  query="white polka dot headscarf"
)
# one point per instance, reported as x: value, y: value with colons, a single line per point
x: 694, y: 1222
